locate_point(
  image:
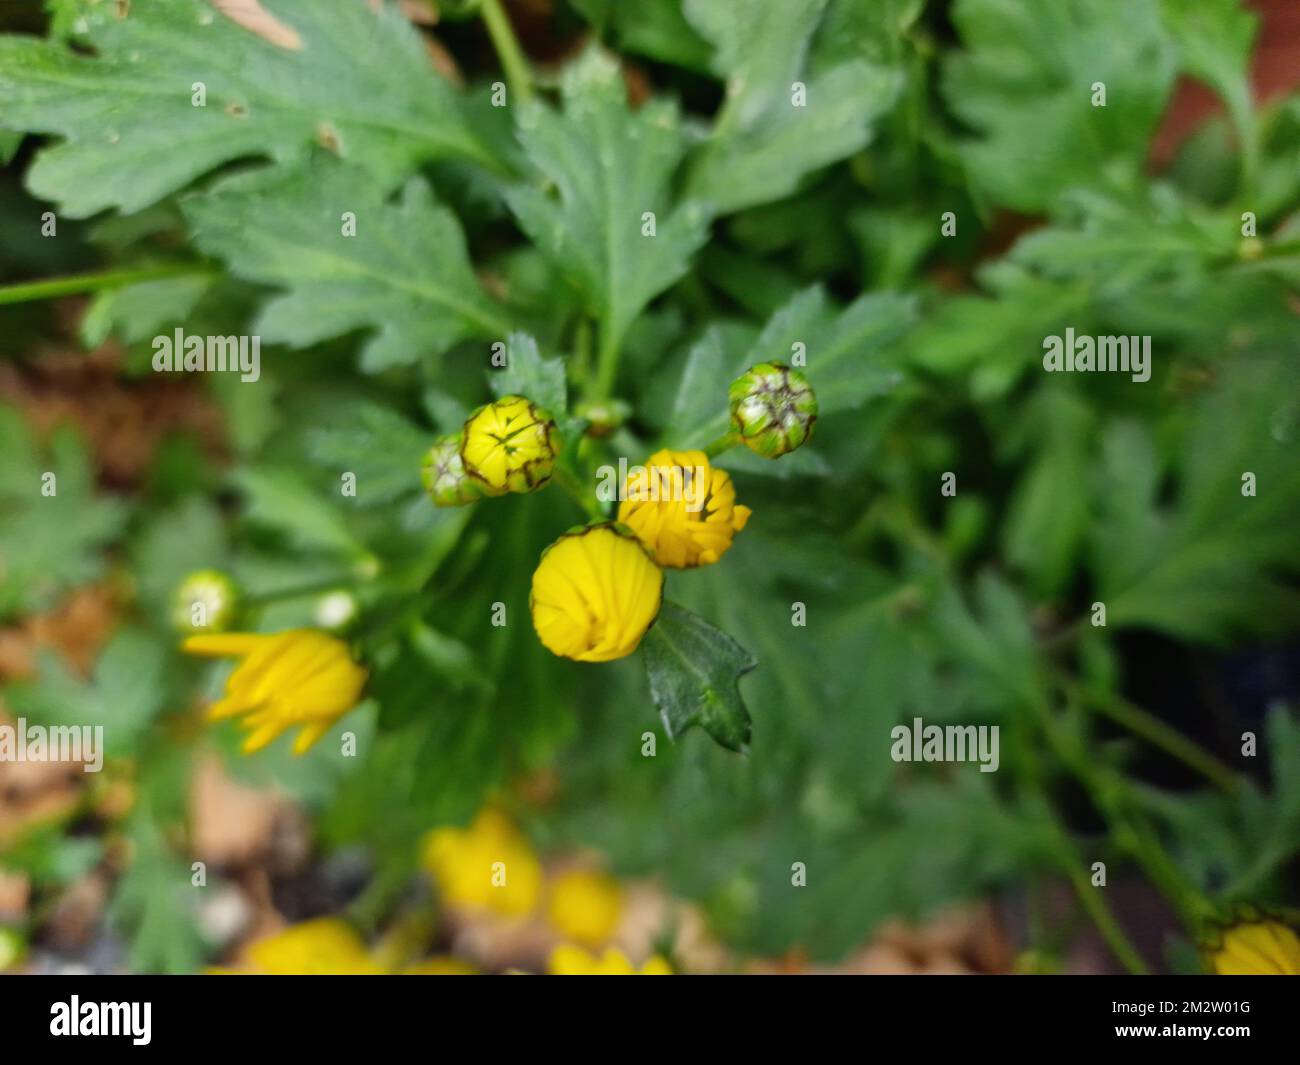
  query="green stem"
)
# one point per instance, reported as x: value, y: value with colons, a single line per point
x: 582, y: 349
x: 299, y: 591
x: 1096, y: 906
x: 725, y: 442
x: 1072, y: 862
x: 379, y: 896
x: 1146, y: 725
x: 573, y: 488
x: 602, y: 385
x: 513, y: 60
x: 76, y: 283
x: 1107, y: 790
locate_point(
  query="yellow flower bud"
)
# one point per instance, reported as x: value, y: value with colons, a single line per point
x: 286, y: 679
x: 509, y: 446
x: 1257, y: 947
x: 487, y: 865
x: 682, y: 509
x: 323, y: 946
x: 595, y: 593
x: 585, y: 906
x: 569, y: 960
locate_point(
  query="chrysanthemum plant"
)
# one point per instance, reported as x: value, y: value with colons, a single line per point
x: 786, y: 268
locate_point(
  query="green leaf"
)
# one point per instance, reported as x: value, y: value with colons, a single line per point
x: 1217, y: 563
x: 654, y: 28
x: 694, y: 671
x: 527, y: 374
x: 760, y: 49
x: 358, y: 81
x: 871, y: 29
x: 1119, y: 244
x: 379, y: 445
x: 155, y: 902
x: 1047, y: 519
x: 136, y: 312
x: 850, y: 359
x: 1025, y: 84
x: 1238, y: 847
x: 603, y: 167
x: 125, y: 691
x: 406, y: 273
x: 48, y: 543
x: 9, y: 142
x: 1215, y: 39
x: 187, y: 537
x: 763, y: 144
x: 279, y: 499
x: 996, y: 337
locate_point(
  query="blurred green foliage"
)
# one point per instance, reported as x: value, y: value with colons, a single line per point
x: 774, y: 225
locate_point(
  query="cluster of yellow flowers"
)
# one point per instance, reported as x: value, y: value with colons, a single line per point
x: 596, y: 590
x: 490, y: 866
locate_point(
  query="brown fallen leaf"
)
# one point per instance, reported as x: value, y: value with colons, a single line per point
x: 231, y: 824
x: 252, y: 16
x: 77, y: 628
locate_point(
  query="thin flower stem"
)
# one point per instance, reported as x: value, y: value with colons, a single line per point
x: 300, y: 591
x: 1096, y: 906
x: 573, y: 488
x: 1108, y: 791
x: 73, y: 284
x: 725, y: 442
x: 513, y: 61
x: 1146, y: 725
x: 582, y: 349
x: 1065, y: 851
x: 602, y: 384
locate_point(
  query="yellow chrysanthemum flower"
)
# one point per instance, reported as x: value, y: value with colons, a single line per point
x: 1257, y: 948
x: 509, y: 446
x: 325, y: 946
x: 595, y: 592
x: 682, y: 509
x: 489, y: 865
x: 298, y: 677
x: 585, y: 906
x: 569, y: 960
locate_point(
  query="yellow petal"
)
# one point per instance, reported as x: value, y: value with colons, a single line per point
x: 309, y: 734
x: 224, y: 644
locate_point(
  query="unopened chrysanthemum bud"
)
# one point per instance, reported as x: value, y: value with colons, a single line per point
x: 509, y: 446
x: 595, y: 592
x: 1254, y: 945
x: 682, y: 508
x: 206, y: 601
x: 444, y: 477
x: 773, y: 409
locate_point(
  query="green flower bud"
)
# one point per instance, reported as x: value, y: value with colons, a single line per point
x: 206, y: 601
x: 604, y: 418
x: 772, y: 409
x: 443, y: 474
